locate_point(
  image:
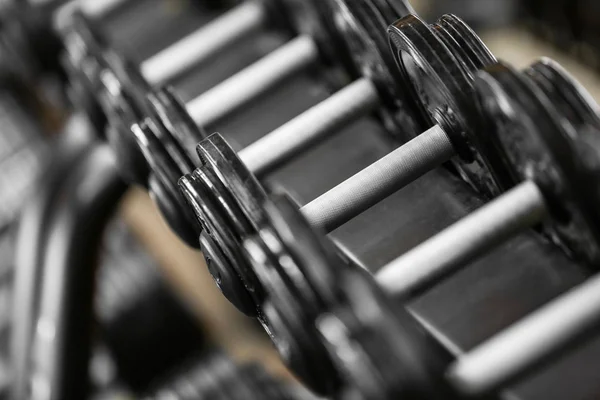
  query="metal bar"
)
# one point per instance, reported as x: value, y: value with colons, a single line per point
x: 522, y: 346
x: 382, y: 178
x: 317, y: 123
x: 472, y: 236
x: 199, y: 46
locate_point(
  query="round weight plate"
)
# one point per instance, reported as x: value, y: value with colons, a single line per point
x: 370, y: 339
x: 122, y: 97
x: 295, y: 268
x: 217, y: 156
x: 172, y: 114
x: 126, y: 87
x: 566, y: 93
x: 540, y: 142
x: 162, y: 182
x: 81, y: 38
x: 309, y: 268
x: 286, y: 317
x: 225, y: 277
x: 174, y: 211
x: 437, y: 77
x: 362, y: 25
x: 464, y: 41
x: 439, y: 61
x: 299, y: 346
x: 83, y: 63
x: 224, y: 223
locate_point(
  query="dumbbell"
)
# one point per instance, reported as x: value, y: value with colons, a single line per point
x: 227, y: 198
x: 85, y: 61
x: 303, y: 18
x: 359, y: 333
x: 163, y: 131
x: 378, y: 350
x: 323, y: 308
x: 130, y: 100
x: 30, y: 38
x: 257, y: 286
x: 547, y: 130
x: 228, y: 201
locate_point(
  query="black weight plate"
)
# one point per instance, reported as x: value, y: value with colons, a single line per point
x: 462, y: 39
x: 162, y: 183
x: 438, y: 79
x: 381, y: 351
x: 566, y: 93
x: 312, y: 275
x: 122, y: 97
x: 288, y: 321
x: 439, y: 61
x: 298, y: 343
x: 132, y: 91
x: 583, y: 113
x: 172, y: 114
x: 174, y: 211
x: 225, y: 277
x: 225, y: 224
x: 82, y: 35
x: 216, y: 155
x: 362, y: 27
x: 83, y: 63
x: 540, y: 143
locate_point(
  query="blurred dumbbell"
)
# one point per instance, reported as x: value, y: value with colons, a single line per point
x: 32, y: 44
x: 147, y: 329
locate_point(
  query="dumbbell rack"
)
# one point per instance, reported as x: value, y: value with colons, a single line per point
x: 502, y: 287
x: 527, y: 269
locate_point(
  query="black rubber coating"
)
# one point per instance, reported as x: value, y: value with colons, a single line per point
x: 540, y: 140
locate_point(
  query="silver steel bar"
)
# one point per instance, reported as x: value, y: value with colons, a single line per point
x: 204, y: 43
x: 379, y: 180
x: 254, y: 80
x: 454, y: 247
x: 317, y: 123
x: 515, y: 350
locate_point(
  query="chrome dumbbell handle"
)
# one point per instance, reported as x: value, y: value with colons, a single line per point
x: 379, y: 180
x: 474, y: 235
x: 348, y: 104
